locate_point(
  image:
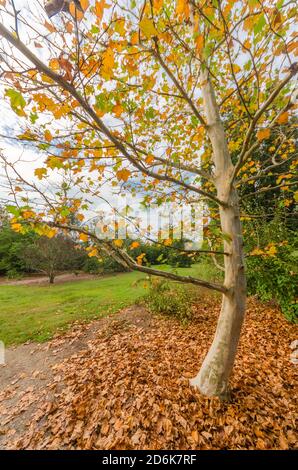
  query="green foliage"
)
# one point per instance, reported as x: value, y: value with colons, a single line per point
x: 274, y: 277
x: 178, y: 258
x: 14, y: 274
x: 92, y: 266
x: 11, y: 245
x: 170, y: 299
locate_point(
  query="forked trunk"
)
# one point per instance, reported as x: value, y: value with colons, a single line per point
x: 213, y: 378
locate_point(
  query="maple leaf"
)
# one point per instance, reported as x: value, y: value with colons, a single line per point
x: 123, y: 175
x: 148, y: 28
x: 40, y: 172
x: 263, y: 134
x: 134, y: 245
x: 84, y: 237
x: 108, y: 63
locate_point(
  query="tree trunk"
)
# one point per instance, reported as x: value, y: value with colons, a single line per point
x: 213, y: 378
x: 51, y: 278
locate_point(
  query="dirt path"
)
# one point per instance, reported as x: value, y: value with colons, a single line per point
x: 44, y: 281
x: 29, y: 369
x: 122, y: 382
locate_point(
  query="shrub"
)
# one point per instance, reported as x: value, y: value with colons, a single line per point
x: 168, y: 298
x: 14, y: 274
x: 274, y: 278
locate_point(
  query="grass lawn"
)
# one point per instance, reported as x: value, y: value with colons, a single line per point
x: 36, y: 313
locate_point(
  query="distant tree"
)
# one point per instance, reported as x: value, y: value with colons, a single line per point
x: 11, y: 245
x: 52, y: 255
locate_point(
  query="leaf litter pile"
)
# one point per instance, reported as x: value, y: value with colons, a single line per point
x: 129, y: 389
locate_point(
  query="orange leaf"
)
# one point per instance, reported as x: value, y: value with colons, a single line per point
x: 263, y: 134
x: 123, y: 175
x: 283, y: 118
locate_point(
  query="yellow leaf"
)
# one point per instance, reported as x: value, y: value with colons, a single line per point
x: 256, y: 252
x: 54, y: 64
x: 16, y: 227
x: 83, y: 237
x: 51, y: 233
x: 93, y: 253
x: 118, y: 243
x: 123, y: 175
x: 271, y: 251
x: 27, y: 214
x: 120, y: 27
x: 140, y: 259
x: 148, y: 28
x: 263, y: 134
x: 40, y: 172
x: 108, y: 63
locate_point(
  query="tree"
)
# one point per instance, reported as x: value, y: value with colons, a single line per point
x: 51, y: 255
x: 174, y: 97
x: 11, y: 245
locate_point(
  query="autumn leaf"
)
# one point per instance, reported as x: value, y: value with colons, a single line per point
x: 182, y: 8
x: 66, y: 65
x: 148, y: 28
x: 140, y: 258
x: 263, y: 134
x: 49, y: 27
x: 99, y: 9
x: 123, y: 175
x: 199, y: 42
x: 48, y: 136
x: 108, y: 63
x: 149, y: 159
x: 283, y: 118
x: 93, y: 253
x: 118, y: 110
x: 134, y: 245
x: 118, y: 243
x: 40, y: 173
x: 16, y: 227
x: 83, y: 237
x: 75, y: 12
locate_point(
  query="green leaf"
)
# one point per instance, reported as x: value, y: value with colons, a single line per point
x: 13, y: 210
x: 17, y: 102
x: 260, y: 24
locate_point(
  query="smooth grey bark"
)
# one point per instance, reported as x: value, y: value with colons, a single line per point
x: 213, y: 377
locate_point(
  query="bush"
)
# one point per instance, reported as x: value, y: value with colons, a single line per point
x: 274, y: 278
x: 92, y: 266
x: 14, y: 274
x: 170, y: 299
